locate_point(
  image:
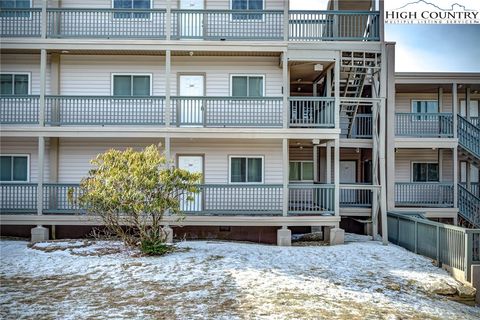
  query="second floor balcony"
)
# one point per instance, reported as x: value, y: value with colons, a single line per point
x: 181, y: 24
x: 220, y: 112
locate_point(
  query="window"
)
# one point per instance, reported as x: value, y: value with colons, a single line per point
x: 246, y: 169
x: 247, y: 86
x: 247, y: 5
x: 14, y: 168
x: 131, y: 4
x: 425, y: 106
x: 14, y: 84
x: 425, y: 172
x: 301, y: 171
x: 131, y: 85
x: 15, y: 4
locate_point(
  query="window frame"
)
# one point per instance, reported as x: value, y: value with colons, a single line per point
x: 420, y: 117
x: 149, y: 18
x: 232, y: 19
x: 248, y: 88
x: 230, y: 157
x: 11, y: 169
x: 29, y: 13
x: 424, y: 162
x: 112, y: 82
x: 29, y: 76
x: 301, y: 170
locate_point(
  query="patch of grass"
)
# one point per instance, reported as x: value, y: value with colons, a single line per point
x: 155, y: 248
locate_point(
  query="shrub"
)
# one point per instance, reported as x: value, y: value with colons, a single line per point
x: 131, y: 191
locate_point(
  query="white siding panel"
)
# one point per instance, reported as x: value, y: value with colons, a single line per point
x: 91, y: 75
x: 219, y: 69
x: 403, y: 101
x: 27, y: 146
x: 405, y: 157
x: 28, y: 63
x: 158, y: 4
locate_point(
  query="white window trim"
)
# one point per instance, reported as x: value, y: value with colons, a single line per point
x: 28, y: 74
x: 142, y: 19
x: 247, y: 157
x: 301, y: 170
x: 244, y: 20
x: 247, y: 75
x: 150, y: 75
x: 426, y: 161
x: 422, y: 100
x: 29, y: 14
x: 28, y: 165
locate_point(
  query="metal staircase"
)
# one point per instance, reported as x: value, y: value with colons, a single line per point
x: 469, y: 148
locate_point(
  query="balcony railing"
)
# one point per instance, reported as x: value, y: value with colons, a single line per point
x: 109, y: 23
x: 424, y: 124
x: 227, y: 24
x: 334, y: 25
x: 469, y: 136
x: 355, y: 197
x: 227, y: 111
x: 106, y: 23
x: 19, y: 109
x: 311, y: 199
x: 473, y: 188
x: 424, y: 194
x: 20, y: 22
x: 104, y: 110
x: 469, y: 206
x: 18, y: 197
x: 312, y: 112
x: 362, y: 127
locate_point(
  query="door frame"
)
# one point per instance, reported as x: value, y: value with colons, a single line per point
x: 179, y: 2
x: 356, y: 169
x: 202, y: 155
x: 204, y: 75
x: 203, y: 22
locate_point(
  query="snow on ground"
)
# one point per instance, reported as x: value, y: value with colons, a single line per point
x: 222, y: 280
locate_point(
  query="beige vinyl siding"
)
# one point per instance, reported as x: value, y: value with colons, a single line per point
x: 75, y: 155
x: 156, y: 4
x: 92, y: 75
x: 219, y: 69
x: 405, y: 157
x: 26, y: 63
x: 27, y: 146
x: 403, y: 101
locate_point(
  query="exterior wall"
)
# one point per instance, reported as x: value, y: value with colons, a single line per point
x: 161, y: 4
x: 27, y: 63
x: 403, y: 101
x: 405, y: 157
x: 27, y: 146
x: 75, y: 156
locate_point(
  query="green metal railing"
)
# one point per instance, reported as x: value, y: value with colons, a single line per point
x: 334, y: 25
x: 227, y: 111
x: 424, y: 124
x: 20, y: 22
x: 311, y: 199
x: 104, y: 110
x: 106, y: 23
x: 312, y: 112
x: 469, y: 136
x: 450, y: 245
x: 18, y: 197
x: 227, y: 24
x: 469, y: 206
x: 109, y: 23
x: 18, y: 109
x: 424, y: 194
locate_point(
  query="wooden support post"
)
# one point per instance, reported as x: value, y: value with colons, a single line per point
x: 467, y: 103
x: 43, y: 20
x: 168, y: 152
x: 440, y: 99
x: 286, y: 89
x: 337, y: 177
x: 315, y: 163
x: 390, y: 126
x: 285, y: 164
x: 338, y: 61
x: 43, y: 85
x: 40, y: 169
x: 168, y: 21
x: 328, y: 178
x: 286, y: 22
x: 168, y: 69
x: 455, y: 150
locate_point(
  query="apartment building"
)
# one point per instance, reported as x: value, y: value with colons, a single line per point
x: 294, y: 118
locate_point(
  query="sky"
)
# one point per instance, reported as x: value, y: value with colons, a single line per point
x: 426, y: 48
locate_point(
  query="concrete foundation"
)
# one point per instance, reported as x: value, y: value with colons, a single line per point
x: 284, y: 237
x: 39, y: 234
x: 337, y: 236
x: 169, y: 234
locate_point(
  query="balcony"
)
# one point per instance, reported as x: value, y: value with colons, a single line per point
x: 192, y: 24
x: 213, y: 199
x: 212, y: 112
x: 432, y: 125
x: 361, y: 129
x: 424, y: 194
